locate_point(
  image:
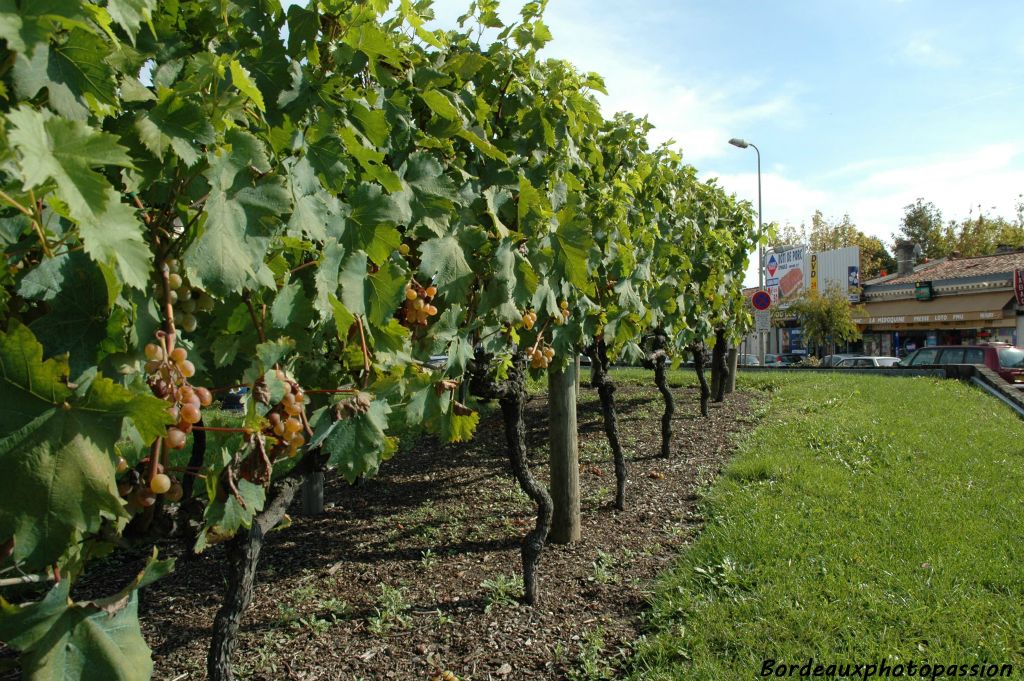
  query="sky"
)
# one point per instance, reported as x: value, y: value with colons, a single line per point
x: 858, y: 107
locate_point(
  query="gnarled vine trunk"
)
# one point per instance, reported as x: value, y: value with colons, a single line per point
x: 659, y: 358
x: 719, y: 366
x: 243, y: 558
x: 511, y: 395
x: 699, y: 354
x: 598, y: 352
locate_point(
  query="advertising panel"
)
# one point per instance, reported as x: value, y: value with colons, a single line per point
x: 784, y: 270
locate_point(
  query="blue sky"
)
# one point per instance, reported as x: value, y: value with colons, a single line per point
x: 858, y: 107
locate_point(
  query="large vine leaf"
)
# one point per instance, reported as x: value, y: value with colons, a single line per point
x: 357, y: 445
x: 66, y: 152
x: 88, y: 641
x: 55, y: 445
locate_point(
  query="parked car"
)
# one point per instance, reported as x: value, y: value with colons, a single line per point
x: 833, y: 360
x: 748, y: 361
x: 1005, y: 360
x: 784, y: 360
x: 866, y: 362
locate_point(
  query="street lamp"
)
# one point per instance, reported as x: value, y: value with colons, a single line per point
x: 743, y: 144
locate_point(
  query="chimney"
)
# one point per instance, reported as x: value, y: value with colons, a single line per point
x: 906, y: 256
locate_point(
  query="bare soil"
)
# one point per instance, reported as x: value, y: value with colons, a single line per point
x: 413, y: 573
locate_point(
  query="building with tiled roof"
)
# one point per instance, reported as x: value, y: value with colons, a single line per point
x: 951, y: 301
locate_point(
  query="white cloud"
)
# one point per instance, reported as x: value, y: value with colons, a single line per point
x: 922, y: 50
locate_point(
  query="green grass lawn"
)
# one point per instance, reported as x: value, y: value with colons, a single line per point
x: 865, y: 518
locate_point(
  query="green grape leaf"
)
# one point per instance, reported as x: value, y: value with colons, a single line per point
x: 73, y: 72
x: 177, y: 123
x: 573, y: 242
x: 485, y: 147
x: 371, y: 223
x: 443, y: 261
x: 228, y: 255
x: 241, y: 79
x: 326, y: 278
x: 357, y: 445
x: 441, y: 105
x: 387, y: 291
x: 115, y: 238
x: 76, y: 321
x: 130, y: 14
x: 225, y: 517
x: 54, y: 449
x: 89, y: 640
x: 66, y: 152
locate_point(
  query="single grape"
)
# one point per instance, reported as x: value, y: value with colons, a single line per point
x: 152, y: 366
x: 205, y: 397
x: 431, y: 310
x: 293, y: 409
x: 410, y: 294
x: 418, y: 304
x: 205, y: 303
x: 297, y: 441
x: 172, y: 265
x: 404, y: 249
x: 187, y: 369
x: 185, y: 394
x: 279, y: 428
x: 175, y: 493
x: 293, y: 425
x: 173, y: 411
x: 188, y: 323
x: 190, y: 414
x: 173, y: 295
x: 174, y: 280
x: 159, y: 484
x: 431, y: 291
x: 187, y: 306
x: 153, y: 351
x: 122, y: 465
x: 184, y: 293
x: 179, y: 355
x: 175, y: 438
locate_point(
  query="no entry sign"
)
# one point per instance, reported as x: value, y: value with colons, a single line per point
x: 761, y: 300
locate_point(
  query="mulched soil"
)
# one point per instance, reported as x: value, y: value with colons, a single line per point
x: 411, y: 573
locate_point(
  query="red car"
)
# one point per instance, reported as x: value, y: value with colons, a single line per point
x: 1005, y: 360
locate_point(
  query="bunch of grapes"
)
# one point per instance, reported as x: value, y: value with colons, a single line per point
x: 529, y: 319
x: 186, y: 299
x: 418, y: 307
x: 287, y: 419
x: 564, y: 316
x: 541, y: 356
x: 168, y: 374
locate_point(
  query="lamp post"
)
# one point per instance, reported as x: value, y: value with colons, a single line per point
x: 743, y: 144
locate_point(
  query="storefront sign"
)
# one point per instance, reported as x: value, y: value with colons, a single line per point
x: 814, y: 271
x: 931, y: 318
x: 923, y: 290
x: 1018, y: 285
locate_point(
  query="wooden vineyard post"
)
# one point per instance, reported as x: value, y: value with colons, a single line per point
x: 730, y: 385
x: 565, y: 471
x: 313, y: 493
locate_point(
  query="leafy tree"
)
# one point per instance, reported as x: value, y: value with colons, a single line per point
x: 983, y: 235
x: 826, y: 318
x: 922, y: 225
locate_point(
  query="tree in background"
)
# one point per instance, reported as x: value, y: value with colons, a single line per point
x: 922, y: 225
x: 826, y: 236
x: 983, y: 235
x: 826, y: 318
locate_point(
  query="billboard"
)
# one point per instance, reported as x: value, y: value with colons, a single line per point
x: 785, y: 272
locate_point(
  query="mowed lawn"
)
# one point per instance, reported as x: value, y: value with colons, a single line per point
x: 866, y: 518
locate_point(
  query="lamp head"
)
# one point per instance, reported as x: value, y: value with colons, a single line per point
x: 737, y: 142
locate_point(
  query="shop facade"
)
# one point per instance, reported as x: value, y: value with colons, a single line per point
x: 954, y: 301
